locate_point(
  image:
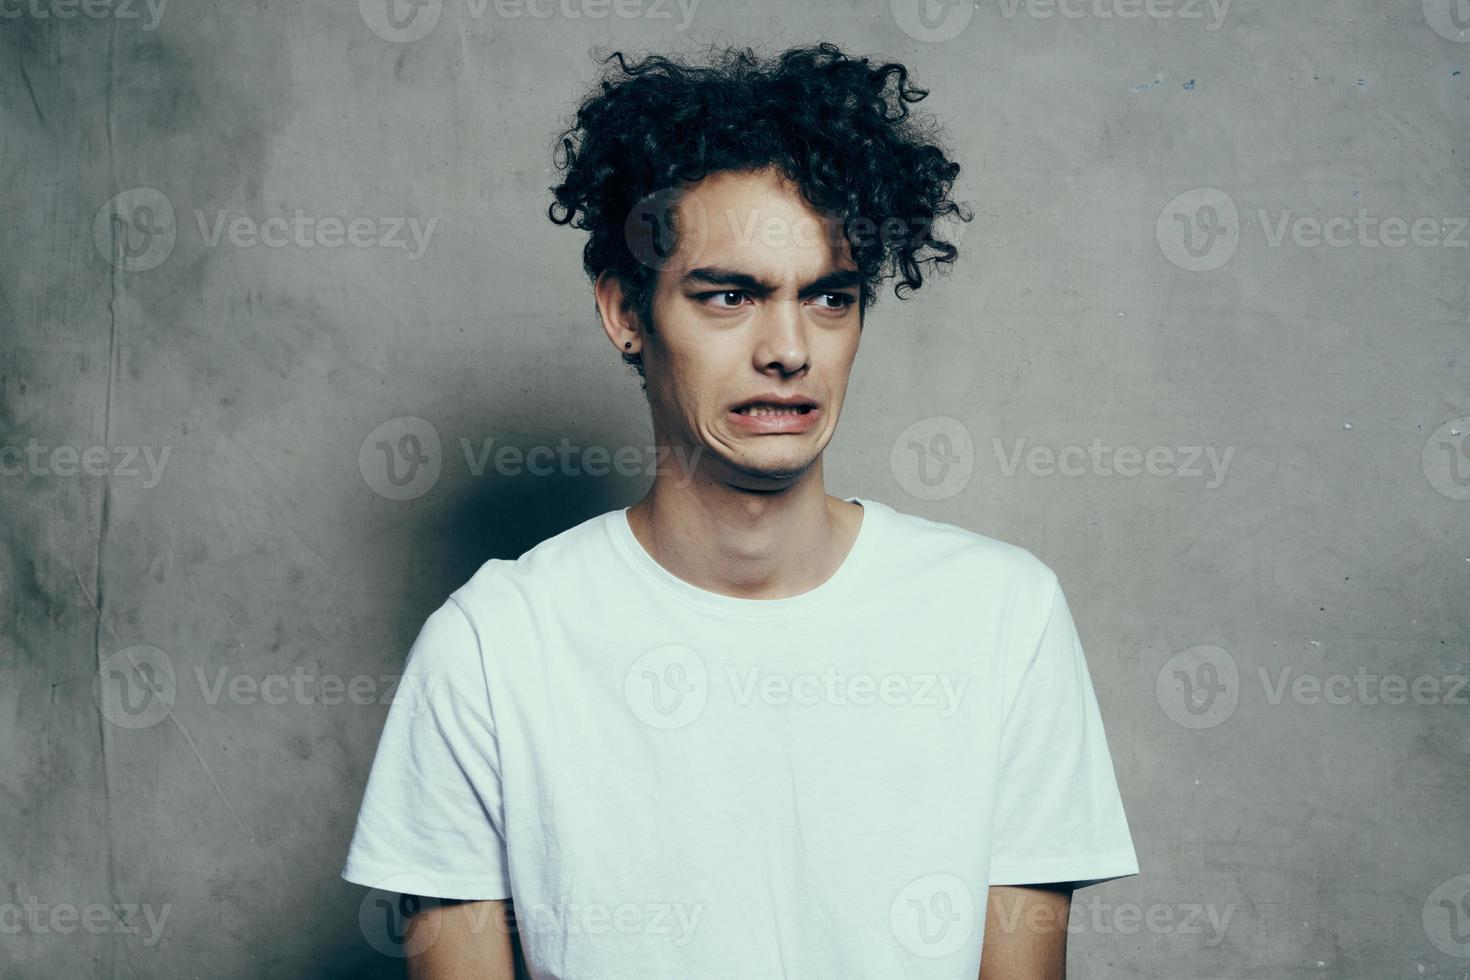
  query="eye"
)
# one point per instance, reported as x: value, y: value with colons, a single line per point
x: 843, y: 300
x: 722, y: 294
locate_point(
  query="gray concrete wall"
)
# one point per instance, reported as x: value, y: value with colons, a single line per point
x: 195, y: 499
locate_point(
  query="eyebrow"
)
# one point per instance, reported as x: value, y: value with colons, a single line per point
x: 720, y: 276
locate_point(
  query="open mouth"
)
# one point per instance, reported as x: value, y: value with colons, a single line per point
x: 759, y: 409
x: 775, y: 413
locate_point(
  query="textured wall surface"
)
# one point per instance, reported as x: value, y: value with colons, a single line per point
x: 244, y: 458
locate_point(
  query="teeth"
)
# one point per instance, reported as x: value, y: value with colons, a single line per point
x: 771, y: 410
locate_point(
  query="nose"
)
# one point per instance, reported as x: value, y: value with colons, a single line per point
x: 782, y: 344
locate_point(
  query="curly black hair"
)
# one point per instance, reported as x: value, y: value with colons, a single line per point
x: 837, y: 126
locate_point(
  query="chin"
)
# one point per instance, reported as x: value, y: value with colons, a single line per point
x: 763, y: 463
x: 773, y: 469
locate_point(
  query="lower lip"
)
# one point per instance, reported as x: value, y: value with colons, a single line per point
x: 775, y: 424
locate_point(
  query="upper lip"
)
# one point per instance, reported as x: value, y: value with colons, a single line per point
x: 772, y: 398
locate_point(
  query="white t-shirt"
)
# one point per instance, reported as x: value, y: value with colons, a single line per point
x: 673, y: 783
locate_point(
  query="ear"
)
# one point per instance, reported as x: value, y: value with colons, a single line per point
x: 619, y: 321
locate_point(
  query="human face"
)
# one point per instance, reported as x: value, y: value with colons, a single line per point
x: 759, y: 305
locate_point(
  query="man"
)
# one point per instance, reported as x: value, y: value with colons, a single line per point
x: 743, y: 728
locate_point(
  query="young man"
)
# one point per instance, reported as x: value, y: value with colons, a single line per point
x: 743, y: 728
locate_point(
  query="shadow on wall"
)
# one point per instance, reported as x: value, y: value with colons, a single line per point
x: 504, y: 517
x: 491, y: 516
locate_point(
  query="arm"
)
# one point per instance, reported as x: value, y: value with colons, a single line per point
x: 1026, y: 932
x: 454, y: 940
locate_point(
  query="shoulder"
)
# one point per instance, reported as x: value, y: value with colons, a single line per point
x: 499, y: 604
x: 558, y: 569
x: 982, y: 559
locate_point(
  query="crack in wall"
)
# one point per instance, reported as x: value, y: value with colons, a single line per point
x: 102, y: 521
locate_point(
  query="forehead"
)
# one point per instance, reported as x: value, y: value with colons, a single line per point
x: 757, y: 221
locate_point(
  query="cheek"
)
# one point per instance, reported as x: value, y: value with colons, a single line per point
x: 839, y: 357
x: 685, y: 396
x: 699, y: 378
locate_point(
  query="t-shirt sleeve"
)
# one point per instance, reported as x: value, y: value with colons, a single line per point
x: 432, y: 814
x: 1059, y: 816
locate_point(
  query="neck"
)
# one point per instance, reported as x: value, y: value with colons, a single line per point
x: 750, y: 545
